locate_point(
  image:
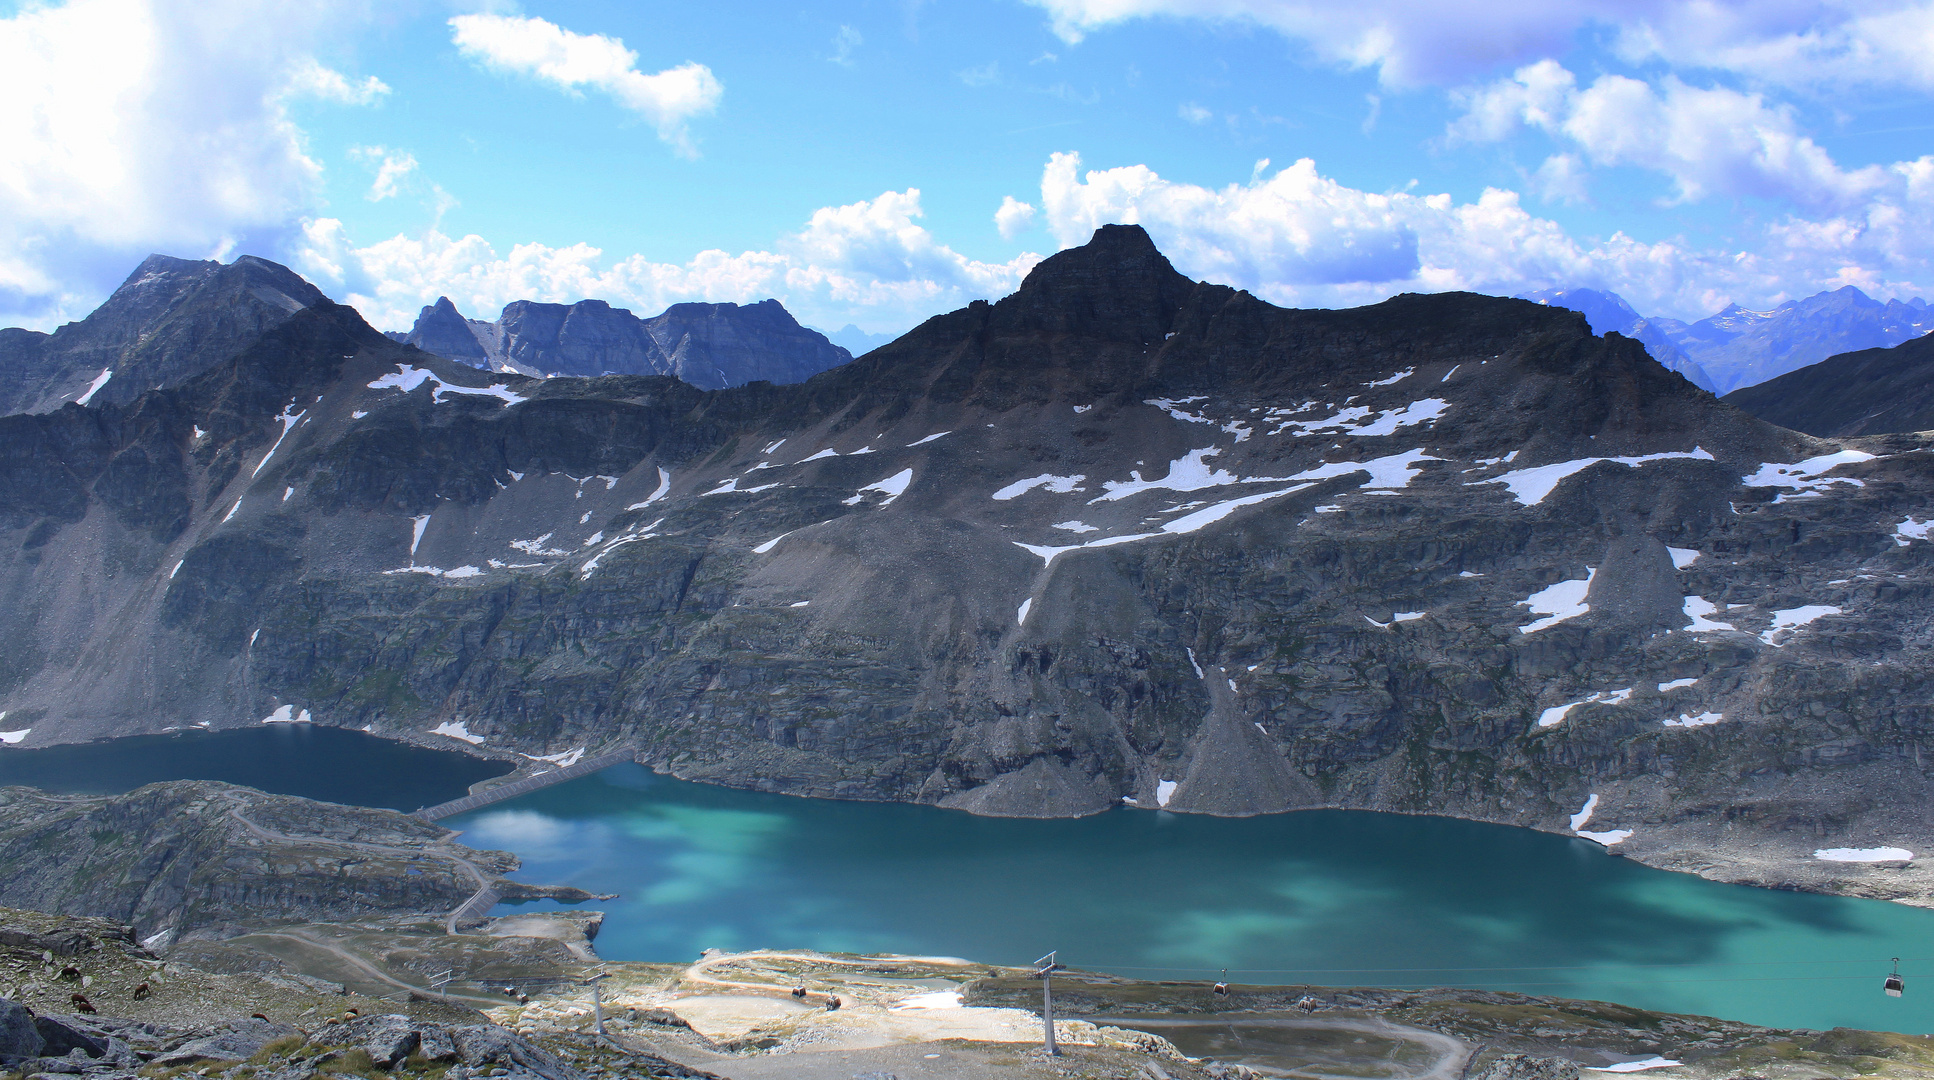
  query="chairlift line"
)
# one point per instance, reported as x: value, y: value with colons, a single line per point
x: 1529, y: 967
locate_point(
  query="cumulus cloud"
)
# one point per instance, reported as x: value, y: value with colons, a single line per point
x: 1709, y: 140
x: 868, y: 262
x: 133, y: 126
x: 525, y: 45
x: 1014, y: 217
x: 1300, y: 238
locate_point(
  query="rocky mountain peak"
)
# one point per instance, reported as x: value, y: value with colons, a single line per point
x: 441, y: 329
x: 169, y: 321
x: 1116, y: 285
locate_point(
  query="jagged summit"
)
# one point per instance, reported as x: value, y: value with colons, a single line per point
x: 708, y: 345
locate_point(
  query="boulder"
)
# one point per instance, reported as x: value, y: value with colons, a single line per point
x: 488, y: 1044
x: 62, y: 1035
x: 386, y: 1039
x: 435, y: 1043
x: 19, y: 1037
x: 241, y: 1041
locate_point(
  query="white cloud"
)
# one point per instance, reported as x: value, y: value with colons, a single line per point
x: 868, y: 262
x: 1193, y: 113
x: 523, y: 45
x: 1014, y: 217
x: 133, y: 126
x: 1823, y: 44
x: 310, y: 79
x: 1299, y: 238
x: 1708, y: 140
x: 1408, y: 42
x: 845, y: 44
x: 392, y: 169
x: 1446, y: 42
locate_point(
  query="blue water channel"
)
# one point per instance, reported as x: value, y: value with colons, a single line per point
x: 1324, y: 897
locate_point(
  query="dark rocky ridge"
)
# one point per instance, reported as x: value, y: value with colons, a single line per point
x: 1872, y: 392
x: 171, y: 320
x: 1609, y: 311
x: 800, y: 589
x: 711, y: 346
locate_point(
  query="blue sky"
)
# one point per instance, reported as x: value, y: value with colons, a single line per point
x: 854, y: 159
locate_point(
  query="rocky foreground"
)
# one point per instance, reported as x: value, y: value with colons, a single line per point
x: 79, y: 998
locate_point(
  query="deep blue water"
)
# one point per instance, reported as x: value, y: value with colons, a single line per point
x: 315, y: 762
x: 1327, y: 897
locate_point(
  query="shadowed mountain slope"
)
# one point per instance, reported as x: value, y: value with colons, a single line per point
x: 1119, y: 536
x: 1872, y: 392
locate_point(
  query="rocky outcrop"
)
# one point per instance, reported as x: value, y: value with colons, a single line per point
x: 1873, y: 392
x: 199, y: 859
x: 712, y: 346
x: 1121, y: 535
x: 171, y: 320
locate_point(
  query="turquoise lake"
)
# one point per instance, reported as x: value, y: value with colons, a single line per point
x: 1324, y: 897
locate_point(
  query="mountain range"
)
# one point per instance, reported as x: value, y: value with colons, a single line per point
x: 1737, y: 348
x: 707, y: 345
x: 1118, y: 538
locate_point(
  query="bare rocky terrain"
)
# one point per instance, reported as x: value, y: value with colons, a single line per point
x: 1120, y: 536
x: 198, y: 860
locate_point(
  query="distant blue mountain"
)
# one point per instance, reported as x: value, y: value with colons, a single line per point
x: 857, y: 341
x: 1737, y: 347
x: 1745, y: 348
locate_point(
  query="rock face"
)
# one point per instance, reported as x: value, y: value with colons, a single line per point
x: 171, y: 320
x: 1121, y: 535
x: 1872, y: 392
x: 1608, y: 312
x: 195, y: 858
x: 712, y: 346
x: 1739, y: 348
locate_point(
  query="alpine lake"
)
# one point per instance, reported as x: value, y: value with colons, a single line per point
x: 1336, y: 898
